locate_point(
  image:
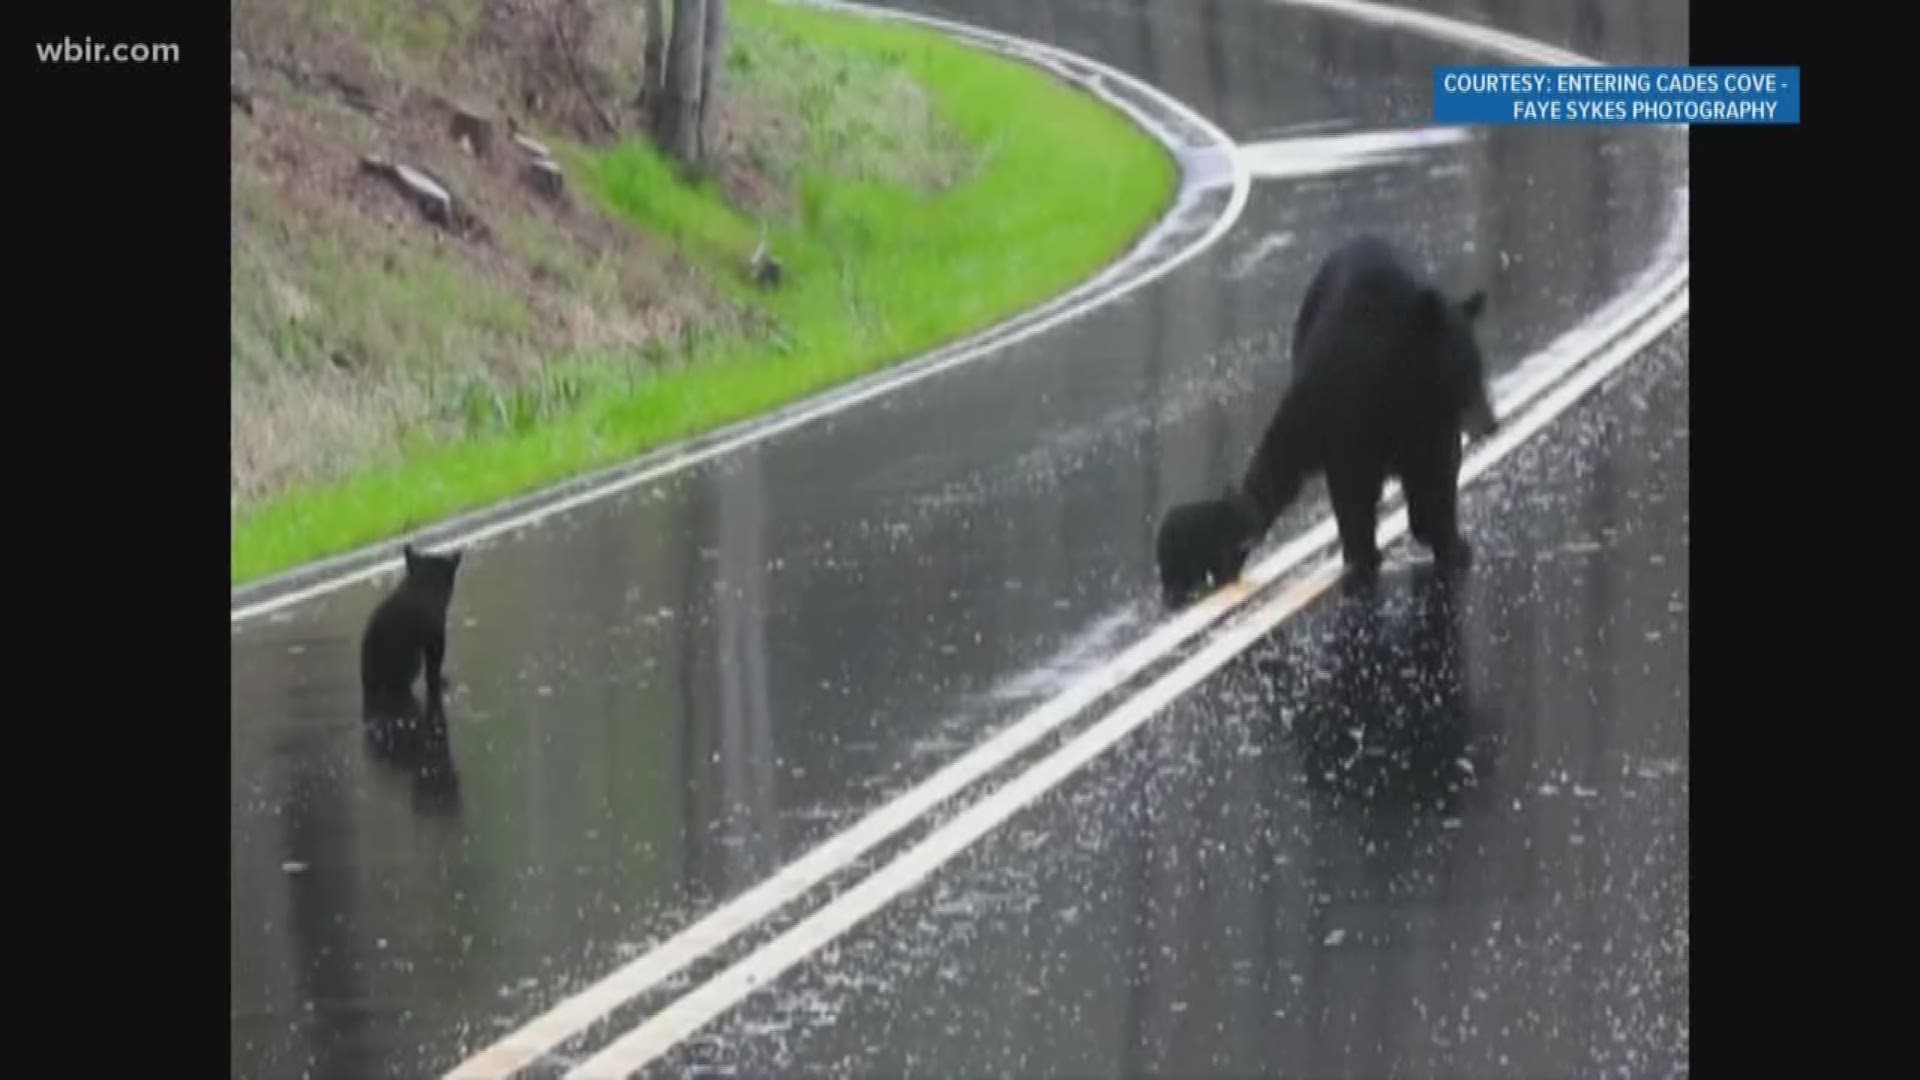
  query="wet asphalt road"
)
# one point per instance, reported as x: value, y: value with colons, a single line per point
x: 1443, y: 833
x: 662, y: 697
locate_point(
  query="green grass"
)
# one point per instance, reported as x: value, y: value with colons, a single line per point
x: 413, y: 306
x: 880, y: 267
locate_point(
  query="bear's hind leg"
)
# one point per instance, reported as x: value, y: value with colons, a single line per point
x: 1355, y: 492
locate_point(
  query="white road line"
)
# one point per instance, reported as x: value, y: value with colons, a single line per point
x: 759, y: 969
x: 1322, y: 155
x: 1527, y: 380
x: 1087, y: 296
x: 1448, y: 29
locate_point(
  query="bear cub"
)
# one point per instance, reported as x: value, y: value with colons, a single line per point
x: 406, y: 633
x: 1387, y: 375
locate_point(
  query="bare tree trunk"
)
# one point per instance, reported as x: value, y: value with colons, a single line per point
x: 676, y: 116
x: 715, y: 47
x: 653, y: 60
x: 558, y: 20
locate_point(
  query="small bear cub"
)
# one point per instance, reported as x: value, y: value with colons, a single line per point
x: 405, y: 633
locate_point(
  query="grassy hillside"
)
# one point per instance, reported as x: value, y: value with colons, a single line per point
x: 388, y: 370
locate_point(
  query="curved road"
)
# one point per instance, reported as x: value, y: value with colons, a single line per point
x: 664, y: 697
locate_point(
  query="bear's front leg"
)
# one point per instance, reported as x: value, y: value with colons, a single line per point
x: 1432, y: 486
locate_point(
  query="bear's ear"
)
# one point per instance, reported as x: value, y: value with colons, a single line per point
x: 1435, y: 306
x: 1474, y: 305
x: 412, y: 556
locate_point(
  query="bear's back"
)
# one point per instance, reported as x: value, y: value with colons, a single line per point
x: 397, y: 631
x: 1362, y: 374
x: 1366, y: 294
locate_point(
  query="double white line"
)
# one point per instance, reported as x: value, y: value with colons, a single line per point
x: 1545, y: 386
x: 672, y: 1025
x: 1549, y: 382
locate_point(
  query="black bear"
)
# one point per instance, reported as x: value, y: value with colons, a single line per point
x: 407, y: 632
x: 1387, y: 375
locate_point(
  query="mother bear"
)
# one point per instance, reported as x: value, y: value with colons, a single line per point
x: 1387, y: 375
